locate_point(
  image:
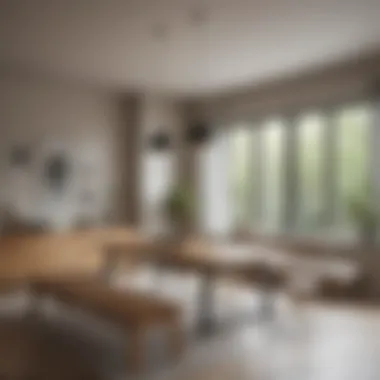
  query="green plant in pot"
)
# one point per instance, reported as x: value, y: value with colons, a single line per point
x: 366, y: 217
x: 179, y: 209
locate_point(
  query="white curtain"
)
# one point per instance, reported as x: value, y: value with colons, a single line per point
x: 157, y: 178
x: 214, y: 186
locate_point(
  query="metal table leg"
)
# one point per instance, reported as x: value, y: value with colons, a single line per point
x: 109, y: 267
x: 267, y: 305
x: 206, y: 314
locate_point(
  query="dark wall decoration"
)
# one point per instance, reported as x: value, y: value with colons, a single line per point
x: 20, y: 155
x: 160, y: 141
x: 57, y: 171
x: 198, y: 133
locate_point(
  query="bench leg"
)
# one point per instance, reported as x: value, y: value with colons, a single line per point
x: 176, y: 338
x: 33, y: 306
x: 136, y: 355
x: 206, y: 314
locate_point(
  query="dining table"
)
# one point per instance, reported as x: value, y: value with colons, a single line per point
x: 265, y: 269
x: 98, y: 251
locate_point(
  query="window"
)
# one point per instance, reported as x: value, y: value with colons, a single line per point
x: 288, y: 175
x: 241, y: 175
x: 310, y: 162
x: 272, y: 175
x: 352, y: 154
x: 215, y: 210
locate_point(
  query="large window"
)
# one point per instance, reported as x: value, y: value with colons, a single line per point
x: 290, y: 174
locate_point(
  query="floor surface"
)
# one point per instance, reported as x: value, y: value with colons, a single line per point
x: 305, y: 341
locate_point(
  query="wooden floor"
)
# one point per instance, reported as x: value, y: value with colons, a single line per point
x: 304, y: 342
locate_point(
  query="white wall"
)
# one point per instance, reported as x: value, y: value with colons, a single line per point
x: 50, y: 117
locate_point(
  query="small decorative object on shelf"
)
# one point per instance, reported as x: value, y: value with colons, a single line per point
x: 160, y: 141
x: 198, y: 133
x: 20, y: 155
x: 57, y: 171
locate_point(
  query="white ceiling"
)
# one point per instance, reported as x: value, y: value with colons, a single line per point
x: 236, y: 42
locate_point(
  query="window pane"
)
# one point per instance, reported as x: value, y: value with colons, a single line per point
x: 272, y: 176
x: 255, y: 170
x: 352, y: 158
x: 310, y: 161
x: 240, y: 174
x: 215, y: 210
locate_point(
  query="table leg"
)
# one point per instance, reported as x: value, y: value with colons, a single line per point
x: 267, y: 305
x: 33, y: 307
x: 109, y: 267
x: 158, y: 276
x: 206, y: 317
x: 136, y: 355
x: 176, y: 337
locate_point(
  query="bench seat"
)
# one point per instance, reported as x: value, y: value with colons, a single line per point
x: 134, y: 311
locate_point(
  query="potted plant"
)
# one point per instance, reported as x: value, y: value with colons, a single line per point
x: 179, y: 209
x: 365, y: 215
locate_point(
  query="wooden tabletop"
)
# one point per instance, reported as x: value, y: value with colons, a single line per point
x: 66, y: 254
x: 211, y: 257
x: 83, y: 253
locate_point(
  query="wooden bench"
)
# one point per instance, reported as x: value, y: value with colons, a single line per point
x: 131, y: 310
